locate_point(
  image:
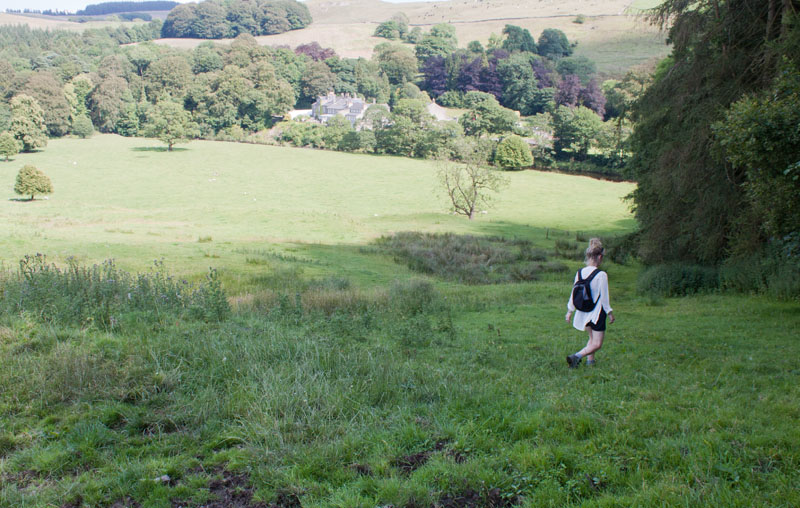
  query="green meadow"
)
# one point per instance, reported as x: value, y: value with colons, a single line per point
x: 334, y: 371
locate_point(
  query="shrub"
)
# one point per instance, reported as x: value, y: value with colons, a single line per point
x: 513, y: 152
x: 678, y: 279
x: 82, y: 127
x: 451, y: 99
x: 773, y: 271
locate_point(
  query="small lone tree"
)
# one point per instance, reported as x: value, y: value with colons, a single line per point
x: 170, y: 123
x: 31, y: 181
x: 9, y: 146
x: 469, y: 183
x: 513, y: 153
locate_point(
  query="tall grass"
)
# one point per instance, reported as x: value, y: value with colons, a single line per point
x: 106, y: 296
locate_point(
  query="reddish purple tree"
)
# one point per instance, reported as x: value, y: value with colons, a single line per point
x: 593, y: 98
x: 315, y: 51
x: 435, y: 76
x: 568, y: 91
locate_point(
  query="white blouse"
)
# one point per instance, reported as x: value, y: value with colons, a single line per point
x: 599, y: 287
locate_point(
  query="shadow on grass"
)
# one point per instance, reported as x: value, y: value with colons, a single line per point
x: 26, y: 200
x: 157, y: 149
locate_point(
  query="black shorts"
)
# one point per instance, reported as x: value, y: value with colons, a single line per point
x: 600, y: 326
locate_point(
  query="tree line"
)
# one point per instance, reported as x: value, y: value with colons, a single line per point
x: 217, y: 20
x: 231, y: 92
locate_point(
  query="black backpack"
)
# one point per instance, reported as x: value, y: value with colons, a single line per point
x: 582, y: 292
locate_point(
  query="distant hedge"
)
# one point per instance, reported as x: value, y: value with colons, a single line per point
x: 117, y: 7
x: 211, y: 20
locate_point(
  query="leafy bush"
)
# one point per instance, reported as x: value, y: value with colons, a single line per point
x: 468, y: 259
x: 773, y: 271
x: 451, y: 99
x: 103, y: 295
x: 678, y: 279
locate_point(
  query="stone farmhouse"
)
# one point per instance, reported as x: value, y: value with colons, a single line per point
x: 330, y: 105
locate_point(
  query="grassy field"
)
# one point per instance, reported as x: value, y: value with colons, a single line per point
x: 342, y: 377
x: 128, y: 199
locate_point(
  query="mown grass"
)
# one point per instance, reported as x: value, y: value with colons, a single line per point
x: 114, y: 200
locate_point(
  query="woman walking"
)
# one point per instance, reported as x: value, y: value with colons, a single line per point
x: 594, y: 320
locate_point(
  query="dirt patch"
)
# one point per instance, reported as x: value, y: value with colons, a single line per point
x: 22, y: 480
x: 234, y: 490
x: 470, y: 498
x: 126, y: 503
x: 410, y: 463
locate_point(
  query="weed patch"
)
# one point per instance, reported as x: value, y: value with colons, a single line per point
x: 469, y: 259
x: 103, y: 295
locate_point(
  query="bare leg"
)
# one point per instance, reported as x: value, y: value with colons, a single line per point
x: 594, y: 344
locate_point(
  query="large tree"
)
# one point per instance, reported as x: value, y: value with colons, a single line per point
x: 48, y: 91
x: 27, y: 123
x: 690, y: 203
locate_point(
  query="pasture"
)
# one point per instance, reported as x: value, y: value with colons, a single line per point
x: 345, y: 378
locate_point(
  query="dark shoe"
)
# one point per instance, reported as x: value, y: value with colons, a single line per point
x: 573, y: 361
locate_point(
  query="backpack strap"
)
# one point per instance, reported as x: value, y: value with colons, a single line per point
x: 591, y: 275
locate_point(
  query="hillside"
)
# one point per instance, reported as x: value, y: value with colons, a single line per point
x: 612, y: 34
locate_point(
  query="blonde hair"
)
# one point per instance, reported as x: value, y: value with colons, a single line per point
x: 595, y: 249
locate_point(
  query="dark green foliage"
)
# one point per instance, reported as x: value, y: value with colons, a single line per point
x: 117, y: 7
x: 760, y: 135
x: 575, y: 131
x: 469, y: 259
x: 579, y: 66
x: 518, y: 39
x: 691, y: 204
x: 774, y: 270
x: 107, y: 297
x: 677, y: 280
x: 211, y: 20
x: 553, y: 44
x: 440, y: 41
x: 485, y: 115
x: 31, y: 182
x: 395, y: 28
